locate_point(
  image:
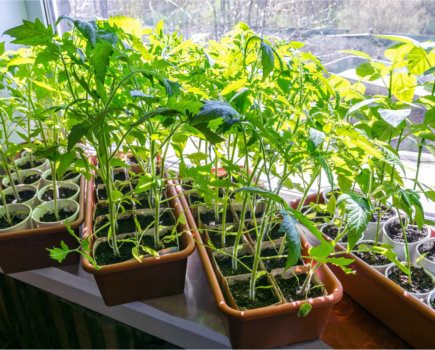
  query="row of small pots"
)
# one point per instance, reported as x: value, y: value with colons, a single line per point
x: 42, y: 182
x: 25, y: 212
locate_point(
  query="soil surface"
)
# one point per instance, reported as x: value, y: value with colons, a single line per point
x: 63, y: 213
x: 226, y: 267
x: 28, y: 165
x: 166, y: 219
x: 63, y: 193
x: 367, y: 257
x: 102, y: 194
x: 388, y: 215
x: 432, y: 303
x: 131, y: 160
x: 215, y: 239
x: 208, y: 218
x: 69, y: 175
x: 332, y: 231
x: 194, y: 197
x: 127, y: 204
x: 263, y: 296
x: 430, y: 250
x: 275, y: 263
x: 321, y: 217
x: 273, y: 233
x: 420, y: 281
x: 413, y: 234
x: 145, y: 202
x: 99, y: 180
x: 29, y: 179
x: 124, y: 189
x: 120, y: 176
x: 4, y: 224
x: 337, y: 193
x: 291, y: 288
x: 25, y: 196
x: 125, y: 225
x: 187, y: 185
x: 101, y: 210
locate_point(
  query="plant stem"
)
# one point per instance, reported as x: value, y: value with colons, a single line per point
x: 420, y: 148
x: 406, y: 246
x: 301, y: 203
x: 8, y: 217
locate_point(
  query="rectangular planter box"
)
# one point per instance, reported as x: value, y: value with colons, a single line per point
x: 27, y: 250
x: 410, y: 318
x: 134, y: 281
x: 276, y: 325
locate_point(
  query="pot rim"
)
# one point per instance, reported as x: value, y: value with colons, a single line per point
x: 23, y: 173
x: 400, y: 243
x: 432, y: 239
x: 60, y: 200
x: 429, y: 298
x: 48, y: 172
x: 25, y: 220
x: 43, y: 189
x: 21, y: 187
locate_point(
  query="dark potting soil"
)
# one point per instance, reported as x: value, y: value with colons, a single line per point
x: 120, y: 176
x: 99, y: 180
x: 291, y: 288
x: 63, y: 193
x: 63, y: 213
x: 420, y: 281
x: 215, y: 239
x: 125, y: 189
x: 166, y: 219
x: 208, y: 218
x: 413, y: 234
x: 187, y: 185
x: 320, y: 218
x: 432, y: 303
x: 125, y: 225
x: 194, y: 197
x: 332, y: 231
x: 263, y: 296
x: 101, y: 210
x: 69, y: 175
x: 275, y: 263
x: 367, y: 257
x: 149, y: 241
x: 102, y: 194
x: 104, y: 253
x: 29, y: 179
x: 388, y: 215
x: 28, y: 165
x: 226, y: 265
x: 274, y: 234
x: 145, y: 202
x: 131, y: 160
x: 336, y: 193
x: 4, y: 224
x: 430, y: 251
x: 25, y: 196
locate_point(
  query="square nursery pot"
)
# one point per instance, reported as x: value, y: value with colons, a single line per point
x: 275, y: 325
x: 27, y: 250
x: 134, y: 281
x: 409, y: 317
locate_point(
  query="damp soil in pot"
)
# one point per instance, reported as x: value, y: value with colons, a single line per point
x: 275, y: 263
x: 367, y: 257
x: 99, y: 180
x: 332, y: 231
x: 413, y: 234
x: 124, y: 225
x: 421, y: 282
x: 63, y: 193
x: 50, y: 216
x: 25, y: 196
x: 120, y: 176
x: 4, y: 224
x: 386, y: 216
x: 28, y: 165
x: 102, y: 194
x: 131, y: 160
x: 263, y: 296
x: 291, y: 288
x: 69, y: 175
x: 215, y: 239
x: 428, y: 248
x: 195, y: 197
x: 29, y: 179
x: 320, y: 218
x: 208, y: 218
x: 144, y: 202
x: 225, y: 264
x: 101, y: 210
x: 166, y: 219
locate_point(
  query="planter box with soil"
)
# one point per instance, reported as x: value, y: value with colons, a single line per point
x: 27, y: 249
x: 162, y: 276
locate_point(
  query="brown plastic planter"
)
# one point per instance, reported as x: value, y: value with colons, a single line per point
x: 134, y: 281
x: 274, y: 325
x: 411, y: 319
x: 27, y: 250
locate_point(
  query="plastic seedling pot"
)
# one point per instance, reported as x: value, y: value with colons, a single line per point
x: 24, y: 160
x: 23, y: 225
x: 46, y: 182
x: 431, y: 299
x: 343, y: 244
x: 370, y: 233
x: 47, y: 207
x: 62, y: 184
x: 24, y: 173
x: 32, y: 203
x: 425, y: 262
x: 380, y: 268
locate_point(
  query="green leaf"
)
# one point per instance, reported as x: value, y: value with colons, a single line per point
x: 212, y: 110
x: 61, y: 17
x: 172, y: 87
x: 88, y: 30
x: 393, y: 159
x: 117, y: 163
x: 402, y: 39
x: 76, y: 134
x: 358, y: 215
x: 31, y: 33
x: 159, y: 111
x: 262, y: 192
x: 65, y: 161
x: 382, y: 130
x: 357, y: 53
x: 149, y: 99
x: 59, y: 254
x: 100, y: 117
x: 210, y: 135
x: 267, y: 58
x: 292, y: 239
x: 344, y: 183
x: 403, y: 86
x: 107, y: 36
x: 361, y: 104
x: 332, y: 205
x: 394, y: 117
x: 2, y: 48
x: 100, y: 59
x: 419, y: 61
x: 316, y: 136
x: 304, y: 309
x: 45, y: 152
x: 327, y: 169
x: 209, y: 59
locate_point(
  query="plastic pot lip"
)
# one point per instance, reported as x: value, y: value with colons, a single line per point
x: 388, y: 238
x: 430, y: 239
x: 379, y: 243
x: 393, y: 265
x: 9, y: 190
x: 43, y: 189
x: 48, y: 172
x: 27, y: 159
x: 23, y: 174
x: 10, y: 206
x: 383, y: 223
x: 273, y: 310
x: 429, y: 298
x: 60, y: 202
x: 131, y: 264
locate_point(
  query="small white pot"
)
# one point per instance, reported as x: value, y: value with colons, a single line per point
x: 398, y: 246
x: 39, y: 212
x: 24, y: 160
x: 426, y: 263
x: 135, y: 168
x: 370, y: 233
x: 430, y: 298
x: 70, y: 185
x: 325, y: 192
x: 380, y: 268
x: 420, y: 296
x: 26, y: 224
x: 32, y: 203
x: 23, y: 173
x: 344, y: 245
x: 46, y: 182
